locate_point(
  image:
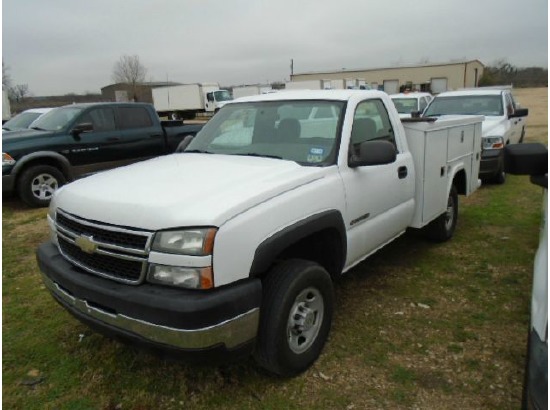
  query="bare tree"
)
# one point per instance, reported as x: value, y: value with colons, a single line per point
x: 18, y: 92
x: 129, y: 70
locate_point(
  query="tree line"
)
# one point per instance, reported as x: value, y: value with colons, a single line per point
x: 504, y: 73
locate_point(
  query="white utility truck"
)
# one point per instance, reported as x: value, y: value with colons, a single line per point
x: 232, y: 245
x: 188, y: 100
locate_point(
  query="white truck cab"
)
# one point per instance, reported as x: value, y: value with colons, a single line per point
x: 232, y: 245
x: 410, y: 102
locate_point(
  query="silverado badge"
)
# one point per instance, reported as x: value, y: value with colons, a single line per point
x: 86, y: 243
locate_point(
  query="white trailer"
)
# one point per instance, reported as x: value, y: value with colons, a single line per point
x: 248, y: 90
x: 6, y: 108
x: 188, y: 100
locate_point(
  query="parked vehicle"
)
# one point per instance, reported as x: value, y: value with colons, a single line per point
x: 188, y: 100
x: 409, y: 103
x: 6, y: 107
x: 248, y: 90
x: 23, y: 120
x: 504, y: 123
x: 233, y: 244
x: 532, y: 159
x: 80, y: 139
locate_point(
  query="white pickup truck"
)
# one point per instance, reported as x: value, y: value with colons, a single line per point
x: 504, y: 122
x: 232, y: 245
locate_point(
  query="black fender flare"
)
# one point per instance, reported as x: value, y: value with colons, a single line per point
x: 64, y: 164
x: 269, y: 249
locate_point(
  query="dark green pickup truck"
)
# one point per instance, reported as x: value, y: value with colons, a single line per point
x: 76, y: 140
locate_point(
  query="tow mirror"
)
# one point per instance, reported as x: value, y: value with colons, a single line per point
x: 519, y: 112
x: 372, y: 153
x: 81, y: 128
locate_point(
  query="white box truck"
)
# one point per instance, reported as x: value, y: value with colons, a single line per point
x: 188, y: 100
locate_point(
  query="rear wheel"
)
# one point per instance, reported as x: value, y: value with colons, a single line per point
x: 38, y: 183
x: 442, y: 228
x: 296, y: 316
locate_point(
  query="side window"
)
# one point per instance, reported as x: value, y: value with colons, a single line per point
x: 210, y: 97
x: 134, y: 117
x: 371, y: 122
x: 422, y: 103
x: 509, y: 104
x: 102, y: 119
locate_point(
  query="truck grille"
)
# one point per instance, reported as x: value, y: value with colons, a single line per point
x: 105, y: 250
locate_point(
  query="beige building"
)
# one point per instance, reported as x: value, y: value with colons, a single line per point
x: 433, y: 78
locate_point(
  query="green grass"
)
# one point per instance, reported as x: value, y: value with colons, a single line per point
x: 417, y: 325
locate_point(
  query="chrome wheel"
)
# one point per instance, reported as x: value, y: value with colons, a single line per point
x: 305, y: 319
x: 43, y: 186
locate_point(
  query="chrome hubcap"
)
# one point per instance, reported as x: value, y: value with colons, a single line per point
x: 43, y: 186
x: 305, y: 319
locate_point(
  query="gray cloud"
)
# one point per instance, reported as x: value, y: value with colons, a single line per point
x: 63, y: 46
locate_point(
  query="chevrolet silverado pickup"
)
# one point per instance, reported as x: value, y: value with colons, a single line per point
x: 80, y: 139
x: 232, y: 246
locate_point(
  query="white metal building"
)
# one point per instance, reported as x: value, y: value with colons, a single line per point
x: 434, y: 78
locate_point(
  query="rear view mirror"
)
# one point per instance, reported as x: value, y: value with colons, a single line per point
x: 373, y: 153
x: 81, y: 128
x: 519, y: 112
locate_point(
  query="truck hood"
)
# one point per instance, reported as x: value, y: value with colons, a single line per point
x: 15, y: 137
x: 493, y: 126
x: 182, y: 190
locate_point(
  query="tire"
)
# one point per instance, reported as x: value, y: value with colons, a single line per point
x: 500, y: 177
x: 442, y: 228
x: 38, y: 183
x: 296, y: 316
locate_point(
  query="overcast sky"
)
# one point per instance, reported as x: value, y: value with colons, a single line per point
x: 64, y: 46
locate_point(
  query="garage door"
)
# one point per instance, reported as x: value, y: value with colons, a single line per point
x: 439, y: 85
x: 391, y: 86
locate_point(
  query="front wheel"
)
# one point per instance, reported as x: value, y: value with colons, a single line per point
x: 38, y: 183
x: 442, y: 228
x: 296, y: 315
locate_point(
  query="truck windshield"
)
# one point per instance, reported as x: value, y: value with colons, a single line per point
x: 302, y: 131
x: 489, y: 105
x: 405, y: 105
x: 56, y: 119
x: 222, y: 95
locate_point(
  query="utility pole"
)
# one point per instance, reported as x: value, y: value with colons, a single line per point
x: 291, y: 68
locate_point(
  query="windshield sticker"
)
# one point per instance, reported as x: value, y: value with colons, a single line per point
x: 316, y: 155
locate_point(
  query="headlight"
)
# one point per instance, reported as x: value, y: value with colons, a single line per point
x: 193, y: 278
x: 493, y: 142
x: 195, y: 242
x: 7, y: 159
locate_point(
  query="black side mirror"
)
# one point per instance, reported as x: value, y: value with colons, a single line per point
x: 81, y: 128
x: 416, y: 114
x: 373, y: 153
x: 527, y: 159
x: 519, y: 112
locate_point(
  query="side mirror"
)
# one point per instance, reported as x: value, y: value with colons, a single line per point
x: 81, y: 128
x: 416, y: 114
x: 527, y: 159
x: 184, y: 143
x: 520, y: 112
x: 373, y: 153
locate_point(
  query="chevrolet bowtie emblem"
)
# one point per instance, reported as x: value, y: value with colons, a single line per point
x: 86, y: 243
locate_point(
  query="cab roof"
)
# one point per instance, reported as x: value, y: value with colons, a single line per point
x: 339, y: 95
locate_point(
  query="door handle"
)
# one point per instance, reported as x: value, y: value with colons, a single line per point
x: 113, y: 139
x: 402, y: 172
x: 155, y: 136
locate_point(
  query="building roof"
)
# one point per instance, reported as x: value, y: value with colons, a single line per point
x: 450, y: 63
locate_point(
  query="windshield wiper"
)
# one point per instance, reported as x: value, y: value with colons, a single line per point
x: 197, y: 151
x: 255, y: 154
x: 38, y: 129
x: 6, y: 129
